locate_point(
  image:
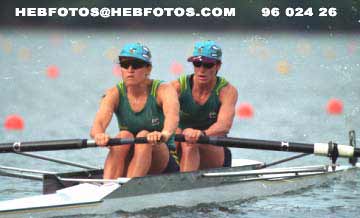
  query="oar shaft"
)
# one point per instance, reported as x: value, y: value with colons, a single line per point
x: 264, y: 145
x: 317, y: 148
x: 62, y: 144
x: 252, y: 144
x: 43, y: 145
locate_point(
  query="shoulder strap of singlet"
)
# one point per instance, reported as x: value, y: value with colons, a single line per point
x: 221, y: 84
x: 121, y: 88
x: 155, y: 86
x: 183, y: 85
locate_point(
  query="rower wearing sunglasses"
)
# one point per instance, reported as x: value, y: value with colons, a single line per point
x: 143, y: 108
x: 207, y: 107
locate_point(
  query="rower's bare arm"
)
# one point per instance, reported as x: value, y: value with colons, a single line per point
x: 228, y: 98
x: 168, y: 98
x: 176, y: 85
x: 107, y: 107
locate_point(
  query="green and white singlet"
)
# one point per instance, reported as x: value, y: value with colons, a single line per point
x: 150, y: 118
x: 193, y: 115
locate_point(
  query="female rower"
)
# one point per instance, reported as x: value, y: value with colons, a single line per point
x: 143, y: 108
x: 207, y: 107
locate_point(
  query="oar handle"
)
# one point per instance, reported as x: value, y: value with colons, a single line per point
x: 125, y: 141
x: 202, y: 139
x: 141, y: 140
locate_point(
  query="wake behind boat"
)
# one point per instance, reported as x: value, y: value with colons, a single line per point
x: 84, y: 192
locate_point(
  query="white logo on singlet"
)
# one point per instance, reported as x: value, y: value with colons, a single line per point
x: 155, y: 121
x: 212, y: 115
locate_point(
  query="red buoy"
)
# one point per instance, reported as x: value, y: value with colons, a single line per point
x: 176, y: 68
x: 117, y: 70
x: 334, y: 106
x: 245, y: 110
x: 14, y: 122
x: 52, y: 72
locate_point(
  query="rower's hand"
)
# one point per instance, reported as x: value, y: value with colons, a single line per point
x: 165, y: 135
x: 102, y: 139
x: 158, y: 137
x: 192, y: 135
x: 154, y: 137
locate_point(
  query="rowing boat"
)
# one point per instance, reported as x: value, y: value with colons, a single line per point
x: 84, y: 192
x: 177, y: 189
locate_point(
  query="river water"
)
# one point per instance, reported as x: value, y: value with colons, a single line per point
x: 288, y: 78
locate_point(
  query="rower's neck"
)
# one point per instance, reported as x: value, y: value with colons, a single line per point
x: 138, y: 90
x: 204, y: 88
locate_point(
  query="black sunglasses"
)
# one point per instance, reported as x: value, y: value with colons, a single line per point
x: 205, y: 65
x: 136, y: 64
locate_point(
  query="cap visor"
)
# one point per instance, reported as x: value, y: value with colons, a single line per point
x: 202, y: 58
x: 132, y: 57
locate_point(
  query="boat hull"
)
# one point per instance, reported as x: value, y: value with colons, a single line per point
x: 181, y: 190
x: 225, y: 190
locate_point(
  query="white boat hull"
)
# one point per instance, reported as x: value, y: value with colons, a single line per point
x: 109, y: 198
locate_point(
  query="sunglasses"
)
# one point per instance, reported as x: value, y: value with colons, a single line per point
x: 205, y: 65
x: 136, y: 64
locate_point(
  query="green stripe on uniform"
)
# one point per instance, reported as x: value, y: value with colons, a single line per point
x: 221, y: 84
x: 120, y: 86
x: 182, y: 80
x: 154, y: 86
